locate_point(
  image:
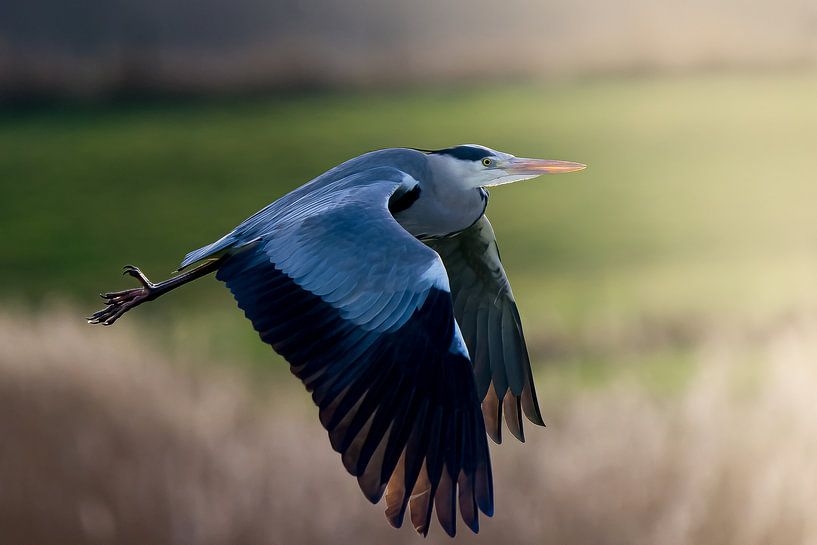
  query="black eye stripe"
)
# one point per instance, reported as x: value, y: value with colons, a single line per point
x: 464, y: 153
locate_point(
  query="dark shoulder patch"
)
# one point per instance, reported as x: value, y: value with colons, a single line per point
x: 401, y: 202
x: 464, y: 153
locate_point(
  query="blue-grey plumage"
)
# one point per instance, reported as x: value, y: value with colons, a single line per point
x: 380, y: 282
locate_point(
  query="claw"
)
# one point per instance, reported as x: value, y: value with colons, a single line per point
x: 120, y: 302
x: 137, y: 274
x: 119, y: 312
x: 101, y: 315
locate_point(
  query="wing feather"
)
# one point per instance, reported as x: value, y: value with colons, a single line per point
x: 486, y: 311
x: 364, y: 315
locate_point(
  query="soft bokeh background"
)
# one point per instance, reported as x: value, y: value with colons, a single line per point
x: 669, y: 291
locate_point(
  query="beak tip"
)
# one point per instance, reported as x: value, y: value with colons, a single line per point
x: 546, y: 166
x: 568, y: 166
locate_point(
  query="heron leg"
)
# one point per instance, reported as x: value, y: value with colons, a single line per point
x: 119, y: 302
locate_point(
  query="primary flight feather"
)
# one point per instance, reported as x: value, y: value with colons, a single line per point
x: 381, y: 284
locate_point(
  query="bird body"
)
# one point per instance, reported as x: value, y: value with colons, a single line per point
x: 380, y: 283
x: 443, y: 204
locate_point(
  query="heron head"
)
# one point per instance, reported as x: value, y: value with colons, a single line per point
x: 475, y: 166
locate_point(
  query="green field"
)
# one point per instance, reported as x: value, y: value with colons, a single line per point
x: 698, y: 206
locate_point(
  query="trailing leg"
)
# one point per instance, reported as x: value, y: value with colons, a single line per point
x: 119, y: 302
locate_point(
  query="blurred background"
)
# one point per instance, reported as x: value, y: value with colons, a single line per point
x: 669, y: 292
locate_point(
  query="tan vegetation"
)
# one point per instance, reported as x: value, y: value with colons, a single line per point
x: 105, y: 441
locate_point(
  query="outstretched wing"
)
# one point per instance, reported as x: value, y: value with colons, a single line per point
x: 363, y: 313
x: 486, y: 311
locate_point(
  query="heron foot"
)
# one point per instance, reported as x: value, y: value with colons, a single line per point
x: 119, y: 302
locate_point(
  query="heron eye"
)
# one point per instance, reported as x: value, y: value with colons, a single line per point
x: 487, y: 162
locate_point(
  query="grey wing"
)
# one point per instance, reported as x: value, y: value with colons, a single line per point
x: 363, y: 313
x: 486, y: 311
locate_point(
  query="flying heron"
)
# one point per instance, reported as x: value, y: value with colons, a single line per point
x: 381, y: 284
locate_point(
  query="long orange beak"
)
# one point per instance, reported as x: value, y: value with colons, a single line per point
x: 533, y: 167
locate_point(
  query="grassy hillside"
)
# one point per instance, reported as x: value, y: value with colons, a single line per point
x: 698, y: 204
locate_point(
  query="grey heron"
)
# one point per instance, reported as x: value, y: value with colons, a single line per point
x: 380, y: 282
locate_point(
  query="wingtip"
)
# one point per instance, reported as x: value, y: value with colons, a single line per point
x: 373, y: 496
x: 537, y: 422
x: 394, y: 521
x: 422, y: 530
x: 473, y: 525
x: 487, y: 508
x: 396, y: 517
x: 492, y: 414
x: 485, y: 498
x: 513, y: 416
x: 534, y: 416
x: 530, y: 404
